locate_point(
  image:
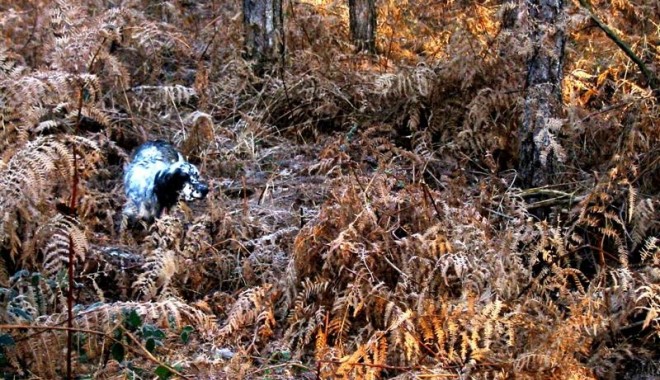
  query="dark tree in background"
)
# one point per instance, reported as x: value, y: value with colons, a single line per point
x: 264, y: 34
x: 543, y: 99
x: 362, y: 17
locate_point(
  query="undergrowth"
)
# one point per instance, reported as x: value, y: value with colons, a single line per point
x: 365, y: 220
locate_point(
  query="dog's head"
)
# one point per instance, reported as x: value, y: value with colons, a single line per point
x: 179, y: 180
x: 194, y: 187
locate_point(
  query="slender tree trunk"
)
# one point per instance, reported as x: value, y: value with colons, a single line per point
x: 362, y: 17
x: 264, y: 31
x: 543, y: 100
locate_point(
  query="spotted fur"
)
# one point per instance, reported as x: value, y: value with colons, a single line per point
x: 157, y: 177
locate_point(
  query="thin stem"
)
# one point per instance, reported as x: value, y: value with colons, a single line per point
x: 72, y: 207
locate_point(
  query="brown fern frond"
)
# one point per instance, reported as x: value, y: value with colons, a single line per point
x: 308, y: 316
x: 252, y: 306
x: 642, y: 215
x: 41, y: 166
x: 156, y: 96
x: 158, y: 273
x: 157, y: 36
x: 417, y: 83
x: 651, y: 250
x: 4, y: 273
x: 56, y: 238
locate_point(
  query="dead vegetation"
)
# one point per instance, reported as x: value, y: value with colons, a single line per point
x: 365, y: 218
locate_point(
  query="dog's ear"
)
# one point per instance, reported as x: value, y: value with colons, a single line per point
x: 171, y: 179
x: 167, y: 185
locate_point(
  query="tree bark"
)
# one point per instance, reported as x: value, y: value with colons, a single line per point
x: 543, y: 98
x: 264, y: 31
x: 362, y: 19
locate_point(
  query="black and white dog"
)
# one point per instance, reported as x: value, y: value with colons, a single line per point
x: 156, y: 178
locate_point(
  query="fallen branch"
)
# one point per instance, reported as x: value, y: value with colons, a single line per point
x: 648, y: 74
x: 558, y: 197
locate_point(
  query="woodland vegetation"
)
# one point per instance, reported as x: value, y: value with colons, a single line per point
x: 413, y: 206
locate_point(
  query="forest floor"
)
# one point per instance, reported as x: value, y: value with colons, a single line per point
x: 365, y: 219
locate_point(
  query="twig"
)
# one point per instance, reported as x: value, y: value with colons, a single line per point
x: 385, y: 366
x: 281, y: 365
x: 55, y: 327
x: 33, y: 30
x: 554, y: 202
x: 647, y: 168
x: 560, y: 197
x: 69, y: 295
x: 382, y: 366
x: 534, y: 191
x: 403, y: 274
x: 604, y: 110
x: 357, y: 179
x: 148, y: 354
x: 428, y: 194
x: 389, y: 49
x: 43, y: 329
x: 206, y: 48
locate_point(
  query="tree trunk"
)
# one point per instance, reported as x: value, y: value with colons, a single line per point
x: 543, y: 101
x: 264, y: 31
x: 362, y: 17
